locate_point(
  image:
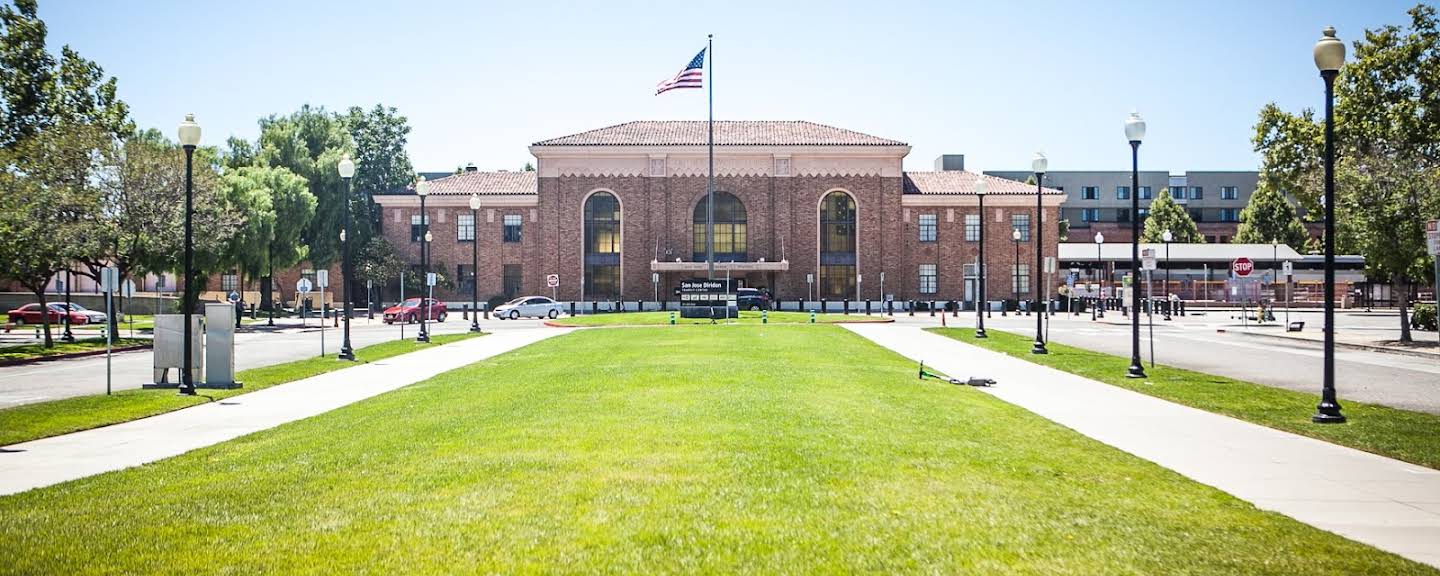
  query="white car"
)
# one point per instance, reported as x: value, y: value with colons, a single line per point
x: 531, y: 306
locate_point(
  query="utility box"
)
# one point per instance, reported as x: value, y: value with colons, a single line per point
x: 169, y: 350
x: 220, y: 346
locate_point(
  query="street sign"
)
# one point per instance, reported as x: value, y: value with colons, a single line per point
x: 859, y: 278
x: 233, y: 297
x: 322, y: 278
x: 1432, y: 237
x: 809, y: 278
x: 1288, y: 268
x: 109, y: 279
x: 430, y: 279
x: 552, y: 280
x: 1242, y: 267
x: 1147, y: 259
x: 303, y: 286
x: 654, y: 277
x: 128, y: 288
x: 1049, y: 264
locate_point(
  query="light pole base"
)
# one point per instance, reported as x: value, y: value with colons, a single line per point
x: 1135, y: 371
x: 1039, y: 348
x: 1328, y: 413
x: 346, y: 354
x: 980, y: 333
x: 422, y: 338
x: 475, y: 325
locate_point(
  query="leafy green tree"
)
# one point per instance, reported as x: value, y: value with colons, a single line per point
x: 310, y: 143
x: 1388, y: 145
x: 246, y: 191
x: 529, y: 167
x: 381, y: 164
x: 239, y: 153
x: 1166, y: 214
x: 378, y: 264
x: 1269, y: 217
x: 39, y: 93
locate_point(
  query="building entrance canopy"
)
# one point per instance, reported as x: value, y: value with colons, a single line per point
x: 760, y: 266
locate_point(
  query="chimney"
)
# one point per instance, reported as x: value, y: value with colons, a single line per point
x: 471, y: 167
x: 949, y: 162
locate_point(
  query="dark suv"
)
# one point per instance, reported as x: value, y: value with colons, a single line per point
x: 752, y: 299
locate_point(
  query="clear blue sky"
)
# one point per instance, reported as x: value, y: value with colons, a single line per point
x: 481, y: 81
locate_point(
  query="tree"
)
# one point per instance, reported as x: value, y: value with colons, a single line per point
x: 528, y: 167
x: 377, y: 263
x: 38, y: 93
x: 310, y: 143
x: 381, y: 164
x: 1269, y: 217
x: 1166, y: 214
x: 247, y: 193
x: 1387, y: 143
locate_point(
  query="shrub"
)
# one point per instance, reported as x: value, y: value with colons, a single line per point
x: 1422, y: 316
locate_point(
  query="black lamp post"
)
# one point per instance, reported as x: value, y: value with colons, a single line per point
x: 1167, y: 237
x: 1329, y: 57
x: 189, y: 139
x: 474, y: 262
x: 270, y: 261
x: 1099, y: 269
x: 1135, y: 132
x: 980, y: 189
x: 1015, y: 270
x: 1038, y: 165
x: 422, y: 189
x: 69, y: 278
x: 347, y: 171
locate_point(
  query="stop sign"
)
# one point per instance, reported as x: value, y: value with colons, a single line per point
x: 1242, y: 266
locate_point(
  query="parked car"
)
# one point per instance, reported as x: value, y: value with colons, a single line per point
x: 531, y: 306
x: 412, y: 310
x: 31, y: 314
x: 752, y: 299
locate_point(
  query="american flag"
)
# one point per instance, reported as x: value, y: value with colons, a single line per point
x: 690, y: 77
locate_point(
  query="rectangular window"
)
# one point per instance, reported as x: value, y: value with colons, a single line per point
x: 1197, y: 192
x: 1229, y: 193
x: 308, y: 274
x: 1122, y: 192
x: 1122, y: 215
x: 927, y: 279
x: 1090, y: 215
x: 1197, y: 215
x: 1178, y: 193
x: 229, y: 282
x: 1229, y: 214
x: 1089, y: 192
x: 512, y: 280
x: 972, y: 227
x: 417, y: 227
x: 1145, y: 193
x: 465, y: 228
x: 1021, y: 222
x: 512, y: 227
x: 1144, y: 213
x: 1020, y: 283
x: 466, y: 276
x: 927, y: 228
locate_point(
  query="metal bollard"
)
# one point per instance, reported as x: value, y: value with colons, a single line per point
x: 932, y: 308
x: 812, y: 316
x: 867, y: 307
x: 764, y: 316
x: 912, y: 307
x: 572, y: 309
x: 845, y: 306
x: 672, y: 318
x: 594, y: 307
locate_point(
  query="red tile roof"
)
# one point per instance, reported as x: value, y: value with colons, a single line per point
x: 727, y: 133
x: 483, y: 183
x: 962, y: 182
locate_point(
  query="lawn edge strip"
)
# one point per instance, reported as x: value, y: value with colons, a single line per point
x: 1391, y: 445
x: 67, y: 355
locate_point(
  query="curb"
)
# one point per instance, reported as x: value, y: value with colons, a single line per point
x: 39, y: 359
x: 1346, y: 345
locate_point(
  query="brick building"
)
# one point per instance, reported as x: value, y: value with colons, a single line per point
x: 800, y: 208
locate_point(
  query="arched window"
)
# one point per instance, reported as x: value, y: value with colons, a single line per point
x: 602, y: 246
x: 837, y: 246
x: 729, y: 228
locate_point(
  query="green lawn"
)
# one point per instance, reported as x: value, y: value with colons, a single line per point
x: 81, y: 344
x: 44, y: 419
x: 666, y: 450
x: 1401, y: 434
x: 746, y: 317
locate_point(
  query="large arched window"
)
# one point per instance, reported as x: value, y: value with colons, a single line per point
x: 729, y: 228
x: 837, y: 246
x: 602, y: 246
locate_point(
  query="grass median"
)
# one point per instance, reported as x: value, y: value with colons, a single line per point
x: 746, y: 317
x: 39, y: 351
x: 1400, y: 434
x: 667, y: 451
x: 44, y: 419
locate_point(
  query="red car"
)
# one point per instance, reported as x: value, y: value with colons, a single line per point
x: 30, y: 314
x: 413, y: 311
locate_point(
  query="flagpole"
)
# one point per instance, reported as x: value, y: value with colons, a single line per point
x: 710, y: 187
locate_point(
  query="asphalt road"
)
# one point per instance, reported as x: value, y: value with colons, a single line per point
x: 1395, y: 380
x: 43, y: 381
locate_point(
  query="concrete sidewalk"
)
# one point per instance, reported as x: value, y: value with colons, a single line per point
x: 1382, y: 502
x: 62, y: 458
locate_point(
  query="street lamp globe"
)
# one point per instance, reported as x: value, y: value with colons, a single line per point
x: 190, y: 131
x: 422, y: 188
x: 980, y: 186
x: 1167, y: 236
x: 428, y: 237
x: 1015, y: 234
x: 1099, y: 238
x: 1039, y: 163
x: 1134, y: 127
x: 474, y: 201
x: 342, y: 235
x: 346, y: 167
x: 1329, y: 51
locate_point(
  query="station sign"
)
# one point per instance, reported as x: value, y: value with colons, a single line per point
x: 706, y: 293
